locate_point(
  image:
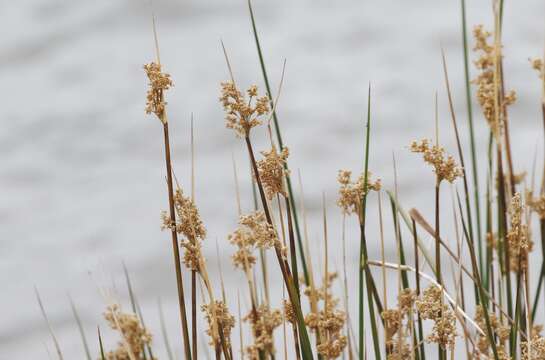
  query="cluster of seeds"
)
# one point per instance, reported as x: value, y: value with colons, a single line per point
x: 398, y: 321
x: 242, y: 114
x: 444, y: 166
x: 518, y: 237
x: 351, y: 193
x: 263, y: 323
x: 218, y: 317
x: 254, y: 232
x: 190, y: 226
x: 500, y: 331
x: 134, y: 336
x: 327, y: 322
x: 537, y: 65
x: 536, y: 204
x: 431, y: 306
x: 272, y: 171
x: 159, y: 82
x: 488, y: 82
x: 534, y: 349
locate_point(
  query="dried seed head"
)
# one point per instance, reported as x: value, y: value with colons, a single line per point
x: 272, y: 171
x: 444, y: 166
x: 431, y: 306
x: 134, y: 335
x: 159, y: 82
x: 263, y: 322
x: 351, y: 193
x: 537, y: 204
x: 488, y: 93
x: 253, y: 232
x: 517, y: 238
x: 241, y: 114
x: 501, y: 333
x: 329, y: 321
x: 217, y: 316
x: 190, y: 226
x: 537, y: 64
x: 535, y: 351
x: 289, y: 312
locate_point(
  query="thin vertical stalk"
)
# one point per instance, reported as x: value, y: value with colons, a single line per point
x: 175, y: 249
x: 417, y: 280
x: 471, y: 131
x: 363, y: 268
x: 280, y: 143
x: 284, y: 267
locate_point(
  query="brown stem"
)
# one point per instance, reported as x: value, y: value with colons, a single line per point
x: 175, y: 249
x: 437, y: 236
x: 194, y: 313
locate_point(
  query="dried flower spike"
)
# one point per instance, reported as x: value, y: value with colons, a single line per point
x: 351, y: 193
x: 272, y: 171
x: 188, y: 224
x: 218, y: 316
x: 517, y: 237
x: 254, y: 232
x: 242, y: 114
x: 134, y: 335
x: 159, y: 82
x: 444, y: 166
x: 487, y: 84
x: 537, y: 64
x: 263, y: 322
x: 431, y: 306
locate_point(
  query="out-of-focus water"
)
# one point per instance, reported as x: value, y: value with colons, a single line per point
x: 82, y: 173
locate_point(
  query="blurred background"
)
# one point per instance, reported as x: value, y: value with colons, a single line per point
x: 82, y: 169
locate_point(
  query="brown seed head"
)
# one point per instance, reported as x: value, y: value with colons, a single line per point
x: 242, y: 114
x: 444, y: 166
x: 159, y: 82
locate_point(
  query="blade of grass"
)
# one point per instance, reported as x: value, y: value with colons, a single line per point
x: 363, y: 266
x: 482, y: 295
x: 101, y: 347
x: 164, y: 332
x: 471, y: 130
x: 48, y: 323
x: 80, y: 328
x: 280, y: 143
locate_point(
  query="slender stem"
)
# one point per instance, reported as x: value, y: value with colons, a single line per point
x: 281, y: 144
x: 284, y: 267
x: 417, y: 280
x: 175, y: 249
x: 471, y: 128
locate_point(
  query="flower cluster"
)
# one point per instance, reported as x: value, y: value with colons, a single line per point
x: 431, y: 306
x: 190, y: 226
x: 500, y: 331
x: 537, y: 64
x: 254, y: 232
x: 329, y: 321
x: 397, y: 321
x: 517, y: 237
x: 488, y: 93
x: 134, y: 335
x: 159, y: 82
x: 444, y: 166
x: 263, y: 322
x: 351, y: 193
x: 534, y: 349
x: 218, y: 317
x: 536, y: 204
x: 242, y: 114
x: 272, y: 171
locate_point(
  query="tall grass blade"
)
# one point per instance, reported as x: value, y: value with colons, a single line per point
x: 80, y: 328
